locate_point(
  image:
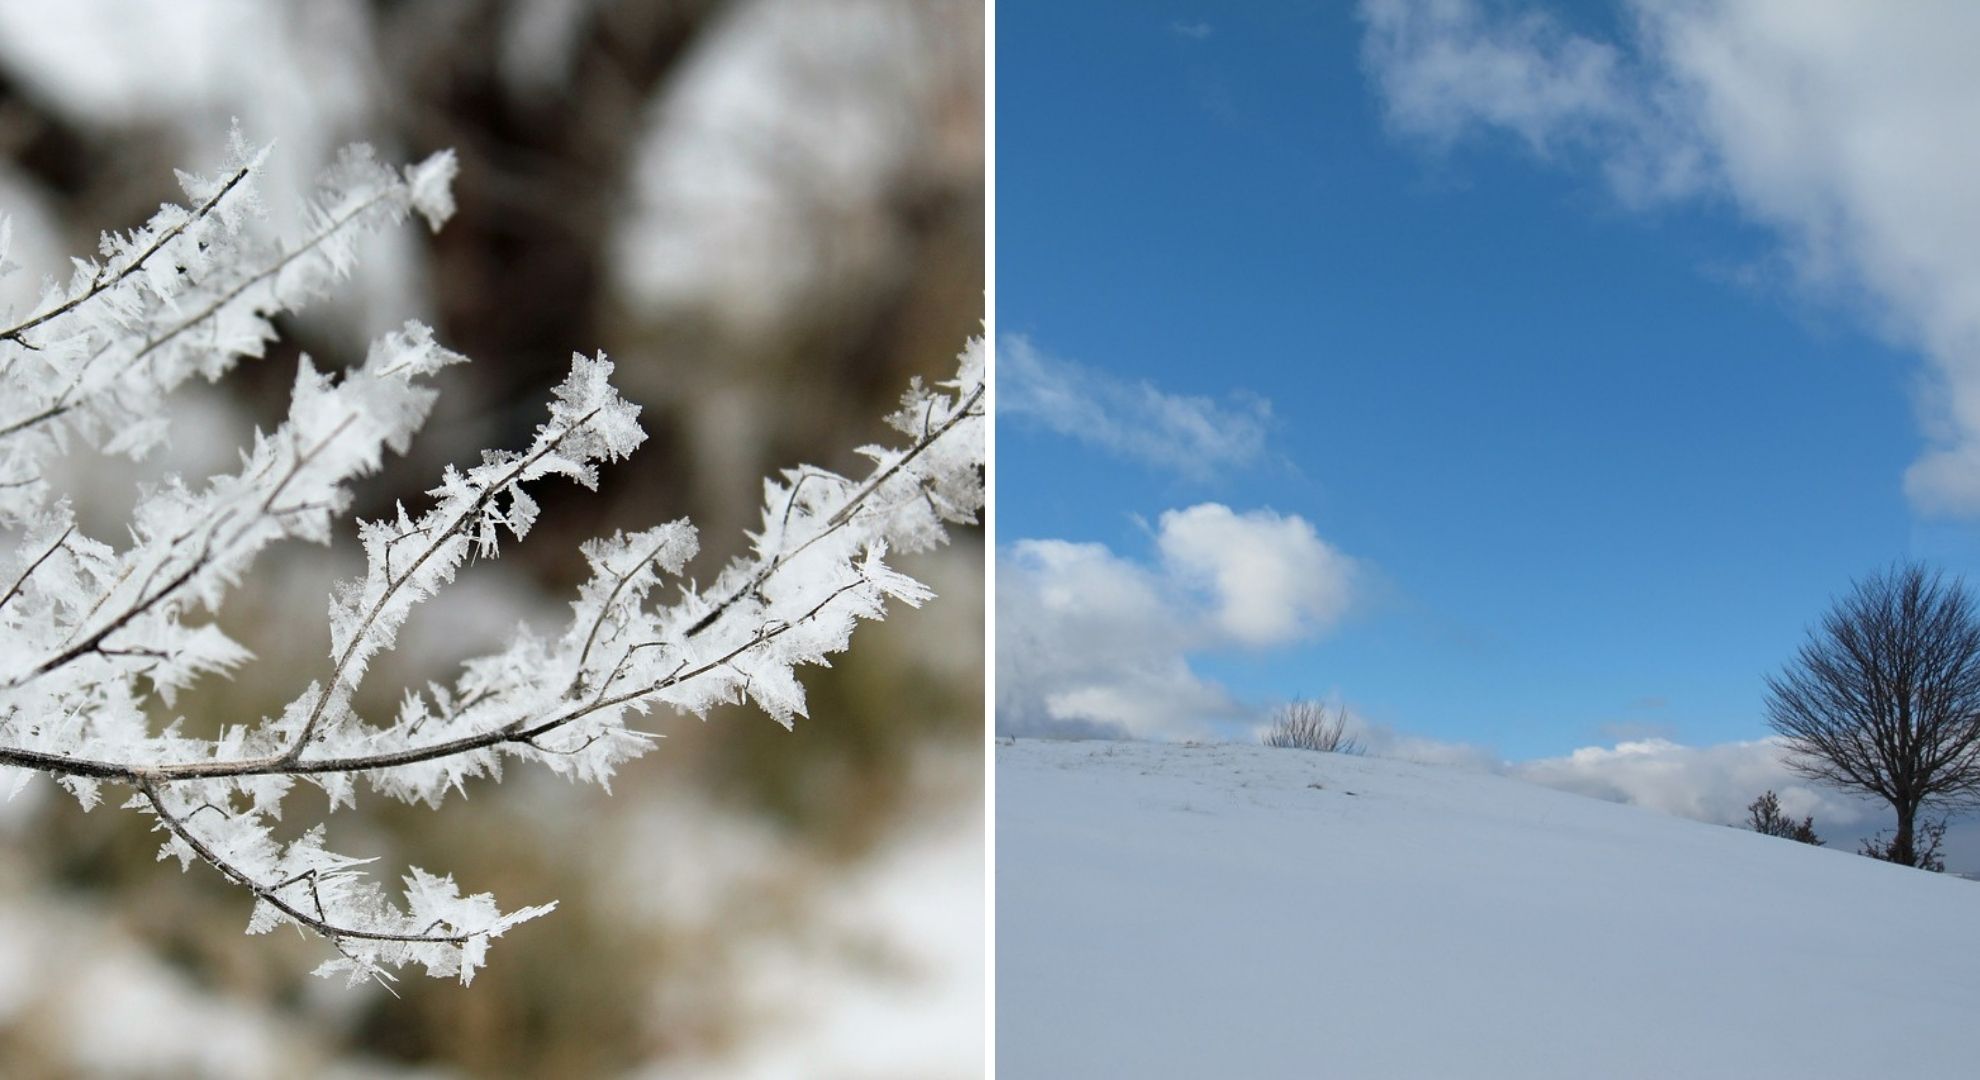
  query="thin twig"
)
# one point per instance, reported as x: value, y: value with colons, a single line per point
x: 104, y: 283
x: 148, y: 786
x: 317, y: 711
x: 36, y: 565
x: 838, y: 520
x: 517, y: 732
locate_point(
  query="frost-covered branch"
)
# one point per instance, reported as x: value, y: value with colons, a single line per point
x: 189, y: 293
x: 94, y: 639
x: 110, y: 276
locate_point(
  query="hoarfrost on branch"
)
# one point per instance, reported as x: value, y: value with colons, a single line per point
x: 94, y: 638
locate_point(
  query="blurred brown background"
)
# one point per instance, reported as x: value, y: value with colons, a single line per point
x: 770, y: 214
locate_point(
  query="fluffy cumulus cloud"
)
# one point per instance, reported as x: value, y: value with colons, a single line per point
x: 1093, y: 643
x: 1704, y: 783
x: 1273, y: 579
x: 1836, y: 125
x: 1130, y: 418
x: 1711, y: 784
x: 1088, y: 644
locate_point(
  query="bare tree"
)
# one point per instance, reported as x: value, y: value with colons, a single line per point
x: 1884, y: 697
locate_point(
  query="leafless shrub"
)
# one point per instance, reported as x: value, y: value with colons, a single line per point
x: 1925, y: 847
x: 1763, y: 815
x: 1305, y: 725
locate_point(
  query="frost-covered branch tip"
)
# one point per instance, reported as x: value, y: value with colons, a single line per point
x: 95, y: 638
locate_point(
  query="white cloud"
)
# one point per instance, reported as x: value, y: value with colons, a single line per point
x: 1274, y: 579
x: 1195, y: 31
x: 1444, y: 66
x: 1193, y: 436
x: 1715, y: 784
x: 1838, y: 126
x: 1089, y: 642
x: 1704, y: 783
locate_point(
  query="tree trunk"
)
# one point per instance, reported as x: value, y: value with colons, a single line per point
x: 1901, y: 850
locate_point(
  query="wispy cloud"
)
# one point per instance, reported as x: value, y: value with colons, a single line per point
x: 1195, y: 437
x: 1447, y: 68
x: 1195, y: 30
x: 1827, y: 124
x: 1090, y: 642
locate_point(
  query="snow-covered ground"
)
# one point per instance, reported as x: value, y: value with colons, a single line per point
x: 1171, y: 910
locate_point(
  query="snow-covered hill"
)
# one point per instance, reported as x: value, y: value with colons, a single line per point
x: 1196, y: 911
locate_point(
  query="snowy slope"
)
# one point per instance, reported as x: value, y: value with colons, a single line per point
x: 1179, y: 911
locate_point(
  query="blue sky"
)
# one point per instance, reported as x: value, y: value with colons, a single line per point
x: 1600, y: 404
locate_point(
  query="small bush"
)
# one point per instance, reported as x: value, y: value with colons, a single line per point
x: 1305, y: 725
x: 1764, y: 816
x: 1924, y: 847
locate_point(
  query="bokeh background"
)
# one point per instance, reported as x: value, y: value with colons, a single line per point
x: 770, y: 213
